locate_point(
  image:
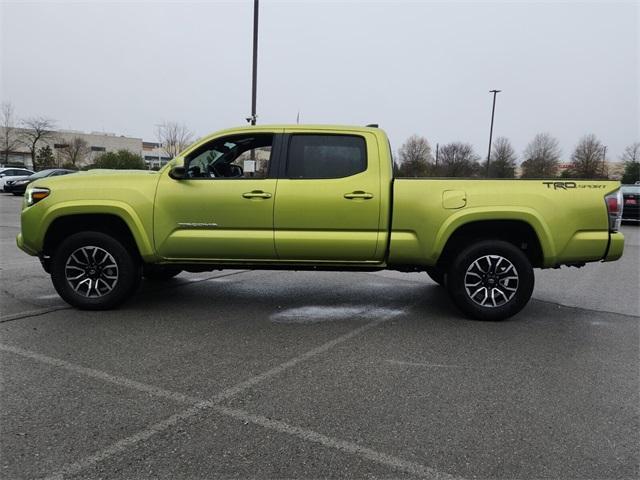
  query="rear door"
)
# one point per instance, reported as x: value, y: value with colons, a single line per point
x: 328, y: 202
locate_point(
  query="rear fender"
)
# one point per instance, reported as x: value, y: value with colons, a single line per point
x: 471, y: 215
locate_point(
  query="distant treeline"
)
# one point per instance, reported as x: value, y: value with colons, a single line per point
x: 541, y: 158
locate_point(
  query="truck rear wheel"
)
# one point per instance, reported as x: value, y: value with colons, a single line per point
x: 490, y: 280
x: 94, y: 271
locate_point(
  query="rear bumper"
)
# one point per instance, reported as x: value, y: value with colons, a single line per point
x: 616, y: 247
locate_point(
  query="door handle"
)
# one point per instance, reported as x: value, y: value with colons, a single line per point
x: 256, y: 194
x: 358, y: 194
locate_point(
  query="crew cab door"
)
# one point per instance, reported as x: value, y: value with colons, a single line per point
x: 328, y: 202
x: 223, y: 208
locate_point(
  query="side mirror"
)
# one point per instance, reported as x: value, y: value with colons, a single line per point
x: 178, y: 172
x: 2, y: 175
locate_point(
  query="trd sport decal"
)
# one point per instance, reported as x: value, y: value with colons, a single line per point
x: 569, y: 185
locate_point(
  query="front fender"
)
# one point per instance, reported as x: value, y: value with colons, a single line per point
x: 36, y: 222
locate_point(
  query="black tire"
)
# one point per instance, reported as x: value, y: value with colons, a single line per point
x: 436, y: 274
x: 159, y: 273
x: 96, y: 258
x: 18, y: 194
x: 497, y: 262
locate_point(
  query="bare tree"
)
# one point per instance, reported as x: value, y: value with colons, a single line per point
x: 541, y: 157
x: 587, y: 160
x: 9, y: 140
x: 631, y: 159
x: 631, y: 153
x: 503, y: 159
x: 415, y: 157
x: 75, y: 151
x: 173, y: 137
x: 36, y: 130
x: 458, y: 159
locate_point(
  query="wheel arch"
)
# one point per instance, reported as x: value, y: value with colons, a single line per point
x: 112, y: 220
x: 516, y: 231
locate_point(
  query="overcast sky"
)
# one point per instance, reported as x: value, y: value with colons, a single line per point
x: 413, y: 67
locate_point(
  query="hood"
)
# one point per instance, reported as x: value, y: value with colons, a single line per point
x: 98, y: 179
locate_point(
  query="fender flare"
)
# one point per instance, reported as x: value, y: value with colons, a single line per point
x: 103, y: 207
x: 521, y: 214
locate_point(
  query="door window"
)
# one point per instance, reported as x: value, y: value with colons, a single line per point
x: 326, y: 156
x: 237, y: 157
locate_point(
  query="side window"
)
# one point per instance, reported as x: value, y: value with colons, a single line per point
x: 326, y: 156
x: 240, y: 156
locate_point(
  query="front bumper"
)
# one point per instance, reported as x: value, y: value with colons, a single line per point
x: 22, y: 246
x: 616, y: 247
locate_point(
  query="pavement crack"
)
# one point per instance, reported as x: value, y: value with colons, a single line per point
x: 32, y: 313
x: 582, y: 309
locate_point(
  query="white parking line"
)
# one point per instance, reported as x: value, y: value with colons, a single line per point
x: 396, y: 463
x: 125, y: 444
x: 198, y: 405
x: 230, y: 392
x: 100, y: 375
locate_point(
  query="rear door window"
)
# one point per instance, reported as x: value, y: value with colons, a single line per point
x: 325, y: 156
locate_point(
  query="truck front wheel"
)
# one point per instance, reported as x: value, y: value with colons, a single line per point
x: 94, y: 271
x: 490, y: 280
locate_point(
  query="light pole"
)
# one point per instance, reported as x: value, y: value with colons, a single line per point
x: 252, y: 118
x: 493, y: 111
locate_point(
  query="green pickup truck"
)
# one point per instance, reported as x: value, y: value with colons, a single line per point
x: 317, y: 198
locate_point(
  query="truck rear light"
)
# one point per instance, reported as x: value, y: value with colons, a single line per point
x: 614, y: 210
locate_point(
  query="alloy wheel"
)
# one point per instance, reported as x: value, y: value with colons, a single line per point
x: 91, y: 271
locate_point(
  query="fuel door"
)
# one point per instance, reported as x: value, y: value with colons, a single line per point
x: 452, y: 199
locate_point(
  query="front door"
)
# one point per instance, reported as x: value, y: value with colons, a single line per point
x: 328, y: 203
x: 223, y: 209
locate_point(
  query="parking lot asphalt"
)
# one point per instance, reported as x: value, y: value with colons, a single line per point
x: 261, y: 374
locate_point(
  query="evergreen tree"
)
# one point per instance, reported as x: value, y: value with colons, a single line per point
x: 44, y: 158
x: 121, y: 160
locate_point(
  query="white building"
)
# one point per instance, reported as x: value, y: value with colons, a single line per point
x: 98, y: 142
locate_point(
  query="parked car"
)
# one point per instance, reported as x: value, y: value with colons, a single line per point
x: 18, y: 187
x: 12, y: 173
x: 631, y: 203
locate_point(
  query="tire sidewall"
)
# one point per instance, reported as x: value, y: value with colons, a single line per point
x: 128, y: 271
x: 458, y: 269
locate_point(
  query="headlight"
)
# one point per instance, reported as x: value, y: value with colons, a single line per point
x: 35, y: 194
